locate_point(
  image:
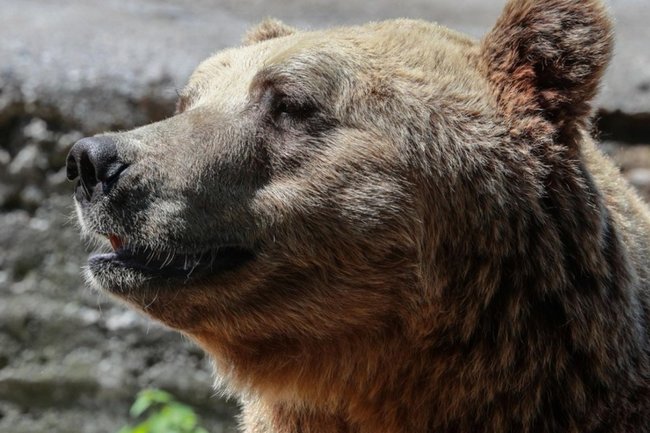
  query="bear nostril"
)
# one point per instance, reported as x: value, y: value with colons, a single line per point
x: 71, y: 167
x: 94, y: 160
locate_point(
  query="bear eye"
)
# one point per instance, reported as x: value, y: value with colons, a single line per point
x: 286, y: 108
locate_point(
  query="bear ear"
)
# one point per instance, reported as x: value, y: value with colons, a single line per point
x: 270, y: 28
x: 548, y: 56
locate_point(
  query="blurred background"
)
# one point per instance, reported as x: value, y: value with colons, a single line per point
x: 70, y: 359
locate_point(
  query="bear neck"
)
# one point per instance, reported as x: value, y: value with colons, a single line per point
x: 515, y: 324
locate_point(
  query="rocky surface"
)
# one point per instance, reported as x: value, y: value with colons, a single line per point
x: 70, y: 359
x: 104, y: 64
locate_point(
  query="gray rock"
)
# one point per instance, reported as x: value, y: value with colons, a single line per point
x: 36, y: 130
x: 68, y: 350
x: 27, y: 161
x: 104, y: 64
x: 640, y: 178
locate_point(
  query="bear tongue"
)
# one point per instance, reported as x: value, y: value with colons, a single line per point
x: 116, y: 242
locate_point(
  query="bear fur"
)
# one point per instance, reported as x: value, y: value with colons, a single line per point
x: 407, y: 230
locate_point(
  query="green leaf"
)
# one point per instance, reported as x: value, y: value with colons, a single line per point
x: 139, y: 407
x: 166, y: 415
x: 161, y: 424
x: 148, y: 398
x: 156, y: 395
x: 144, y: 427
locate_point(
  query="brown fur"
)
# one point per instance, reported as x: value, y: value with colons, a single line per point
x: 438, y: 244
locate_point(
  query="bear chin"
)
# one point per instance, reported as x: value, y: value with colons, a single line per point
x: 125, y: 270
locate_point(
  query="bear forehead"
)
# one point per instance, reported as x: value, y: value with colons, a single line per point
x: 418, y: 50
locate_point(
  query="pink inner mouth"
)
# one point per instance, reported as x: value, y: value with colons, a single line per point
x: 116, y: 242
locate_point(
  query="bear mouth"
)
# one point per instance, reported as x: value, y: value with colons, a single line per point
x: 130, y: 264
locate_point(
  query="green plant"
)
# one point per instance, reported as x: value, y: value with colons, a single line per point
x: 161, y: 413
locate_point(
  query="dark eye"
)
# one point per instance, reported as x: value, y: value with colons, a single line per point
x: 284, y: 107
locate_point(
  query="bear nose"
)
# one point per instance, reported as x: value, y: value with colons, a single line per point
x: 94, y: 160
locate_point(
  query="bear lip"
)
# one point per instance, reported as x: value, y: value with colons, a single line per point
x: 171, y: 264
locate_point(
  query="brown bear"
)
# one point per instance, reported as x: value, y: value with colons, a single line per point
x: 390, y: 228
